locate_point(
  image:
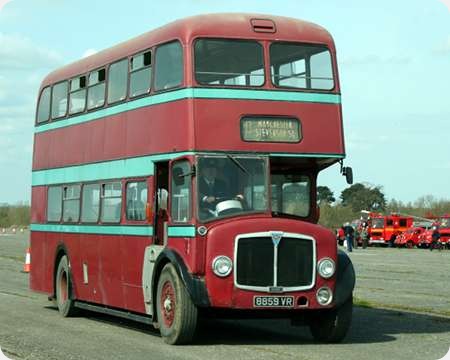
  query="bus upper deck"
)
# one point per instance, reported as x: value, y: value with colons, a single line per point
x: 273, y: 88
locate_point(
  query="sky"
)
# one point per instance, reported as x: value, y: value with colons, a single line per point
x: 393, y: 58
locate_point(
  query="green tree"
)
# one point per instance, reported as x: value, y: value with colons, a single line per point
x: 325, y: 195
x: 361, y: 197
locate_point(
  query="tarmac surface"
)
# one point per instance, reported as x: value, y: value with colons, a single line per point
x: 404, y: 314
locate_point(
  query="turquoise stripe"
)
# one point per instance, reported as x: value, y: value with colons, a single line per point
x: 95, y: 229
x: 115, y: 169
x: 304, y: 155
x: 209, y: 93
x: 181, y: 231
x: 192, y: 93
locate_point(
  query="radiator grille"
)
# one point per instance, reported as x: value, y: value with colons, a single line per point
x: 257, y: 259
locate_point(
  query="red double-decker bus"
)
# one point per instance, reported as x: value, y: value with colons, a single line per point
x: 174, y: 175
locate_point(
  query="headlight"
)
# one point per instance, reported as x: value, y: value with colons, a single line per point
x: 324, y: 296
x: 222, y: 265
x: 326, y: 268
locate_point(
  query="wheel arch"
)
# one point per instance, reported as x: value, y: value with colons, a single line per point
x: 195, y: 287
x: 61, y: 250
x: 345, y: 279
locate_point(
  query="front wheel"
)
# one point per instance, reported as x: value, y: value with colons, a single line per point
x: 177, y: 315
x: 63, y: 284
x: 331, y: 326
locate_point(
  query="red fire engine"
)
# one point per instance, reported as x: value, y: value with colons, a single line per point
x: 385, y: 228
x: 443, y: 224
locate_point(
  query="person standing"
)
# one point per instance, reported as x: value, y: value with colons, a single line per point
x: 349, y: 236
x: 435, y: 237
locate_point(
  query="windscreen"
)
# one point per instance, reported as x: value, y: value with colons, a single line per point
x: 377, y: 223
x: 231, y: 185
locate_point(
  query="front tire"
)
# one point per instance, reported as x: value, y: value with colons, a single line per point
x: 177, y: 315
x: 331, y: 326
x: 64, y: 300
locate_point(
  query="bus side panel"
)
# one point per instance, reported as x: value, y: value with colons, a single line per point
x: 129, y: 134
x: 133, y: 249
x: 38, y: 204
x: 40, y: 277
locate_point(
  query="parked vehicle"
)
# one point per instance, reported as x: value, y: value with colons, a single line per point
x: 410, y: 237
x: 383, y: 229
x: 443, y: 225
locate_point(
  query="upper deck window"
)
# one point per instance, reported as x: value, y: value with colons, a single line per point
x: 59, y: 100
x: 96, y: 89
x: 140, y: 73
x: 301, y: 66
x: 169, y: 66
x: 43, y: 112
x: 77, y: 96
x: 117, y: 81
x: 229, y: 62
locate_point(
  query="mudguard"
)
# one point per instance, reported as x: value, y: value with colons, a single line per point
x: 345, y: 280
x: 195, y: 286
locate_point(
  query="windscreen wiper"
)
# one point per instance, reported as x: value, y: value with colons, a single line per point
x: 238, y: 164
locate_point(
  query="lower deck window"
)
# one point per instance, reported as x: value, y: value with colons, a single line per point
x: 71, y: 203
x: 111, y: 202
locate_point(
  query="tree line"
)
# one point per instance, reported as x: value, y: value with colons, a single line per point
x: 334, y: 212
x: 14, y: 215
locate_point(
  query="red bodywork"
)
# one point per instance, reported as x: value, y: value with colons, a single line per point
x: 410, y: 237
x: 443, y: 224
x: 115, y: 261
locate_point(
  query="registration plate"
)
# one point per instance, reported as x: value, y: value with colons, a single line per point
x: 273, y: 301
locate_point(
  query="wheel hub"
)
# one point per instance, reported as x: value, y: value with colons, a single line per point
x: 168, y: 303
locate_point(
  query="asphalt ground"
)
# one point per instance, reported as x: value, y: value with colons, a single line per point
x: 403, y: 313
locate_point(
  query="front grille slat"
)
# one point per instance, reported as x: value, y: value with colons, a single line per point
x: 295, y: 262
x: 255, y: 262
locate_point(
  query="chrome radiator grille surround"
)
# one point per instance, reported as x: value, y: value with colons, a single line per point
x: 274, y: 261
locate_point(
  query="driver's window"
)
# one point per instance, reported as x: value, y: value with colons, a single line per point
x: 181, y: 191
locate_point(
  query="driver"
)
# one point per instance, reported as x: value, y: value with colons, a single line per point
x: 211, y: 188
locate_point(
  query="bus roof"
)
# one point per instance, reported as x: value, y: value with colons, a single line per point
x: 230, y: 25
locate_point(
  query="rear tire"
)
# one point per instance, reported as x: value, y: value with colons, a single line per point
x: 331, y: 326
x: 64, y: 300
x: 177, y: 315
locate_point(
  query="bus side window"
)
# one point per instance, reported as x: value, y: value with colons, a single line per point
x: 71, y: 203
x: 140, y: 73
x: 77, y: 96
x: 136, y: 200
x: 54, y: 203
x: 90, y: 208
x: 168, y: 66
x: 111, y: 202
x: 43, y: 113
x: 96, y: 89
x: 181, y: 191
x: 59, y: 100
x: 117, y: 81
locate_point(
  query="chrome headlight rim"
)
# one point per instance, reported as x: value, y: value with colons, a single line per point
x: 330, y: 293
x: 320, y: 267
x: 214, y: 265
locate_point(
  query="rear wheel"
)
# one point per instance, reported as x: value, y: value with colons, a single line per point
x: 332, y: 325
x: 63, y: 284
x: 177, y: 315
